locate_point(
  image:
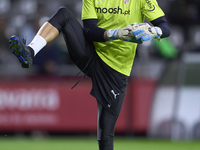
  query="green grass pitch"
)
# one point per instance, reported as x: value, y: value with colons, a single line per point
x: 90, y: 143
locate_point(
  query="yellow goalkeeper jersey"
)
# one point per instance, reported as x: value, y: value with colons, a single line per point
x: 112, y: 14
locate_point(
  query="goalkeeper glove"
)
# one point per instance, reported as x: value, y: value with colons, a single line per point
x: 122, y: 33
x: 146, y: 32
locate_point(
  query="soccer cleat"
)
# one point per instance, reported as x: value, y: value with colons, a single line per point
x: 24, y: 53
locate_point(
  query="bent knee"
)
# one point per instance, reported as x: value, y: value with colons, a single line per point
x: 64, y: 11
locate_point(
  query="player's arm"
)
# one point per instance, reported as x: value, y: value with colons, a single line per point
x: 92, y: 32
x: 156, y: 16
x: 162, y: 23
x: 146, y: 32
x: 96, y: 34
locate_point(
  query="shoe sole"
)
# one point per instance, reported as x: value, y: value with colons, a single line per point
x: 16, y: 48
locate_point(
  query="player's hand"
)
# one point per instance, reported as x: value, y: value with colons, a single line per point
x: 122, y: 33
x: 145, y: 32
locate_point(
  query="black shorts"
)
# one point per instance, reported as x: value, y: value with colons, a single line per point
x: 108, y: 86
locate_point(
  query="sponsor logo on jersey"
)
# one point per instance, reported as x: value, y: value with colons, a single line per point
x: 117, y: 10
x: 126, y: 1
x: 150, y: 5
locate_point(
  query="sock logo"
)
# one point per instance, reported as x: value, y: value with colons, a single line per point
x: 117, y: 10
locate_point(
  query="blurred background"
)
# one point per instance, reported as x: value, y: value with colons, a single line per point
x: 163, y: 95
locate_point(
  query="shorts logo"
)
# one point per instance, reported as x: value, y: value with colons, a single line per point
x: 150, y: 5
x: 115, y: 94
x: 126, y: 1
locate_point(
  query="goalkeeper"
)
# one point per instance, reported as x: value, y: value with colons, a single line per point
x: 104, y: 49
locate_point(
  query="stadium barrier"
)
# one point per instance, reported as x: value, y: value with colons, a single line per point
x: 49, y: 104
